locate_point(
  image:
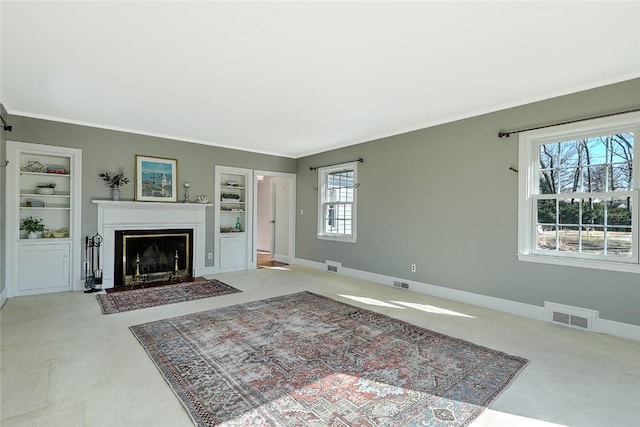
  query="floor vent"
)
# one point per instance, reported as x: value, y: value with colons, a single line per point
x: 332, y: 266
x: 402, y: 285
x: 574, y: 317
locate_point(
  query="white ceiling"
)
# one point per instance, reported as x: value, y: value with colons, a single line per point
x: 298, y: 78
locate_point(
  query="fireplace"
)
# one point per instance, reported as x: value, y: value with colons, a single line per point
x: 124, y: 215
x: 144, y: 256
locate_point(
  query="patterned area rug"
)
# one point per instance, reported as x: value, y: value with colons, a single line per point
x: 118, y: 302
x: 307, y: 360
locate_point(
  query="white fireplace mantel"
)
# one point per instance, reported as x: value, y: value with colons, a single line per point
x: 120, y: 215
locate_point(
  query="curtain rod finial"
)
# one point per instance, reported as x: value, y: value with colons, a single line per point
x: 503, y: 134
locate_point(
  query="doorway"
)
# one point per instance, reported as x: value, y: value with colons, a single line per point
x: 274, y: 213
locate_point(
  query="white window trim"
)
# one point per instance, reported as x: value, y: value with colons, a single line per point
x: 321, y: 190
x: 527, y: 184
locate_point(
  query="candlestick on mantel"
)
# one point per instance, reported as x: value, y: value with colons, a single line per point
x: 186, y: 192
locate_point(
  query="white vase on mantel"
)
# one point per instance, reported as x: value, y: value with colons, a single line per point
x: 32, y: 235
x: 115, y: 194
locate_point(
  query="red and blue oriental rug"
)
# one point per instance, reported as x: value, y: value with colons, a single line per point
x: 134, y: 299
x: 307, y: 360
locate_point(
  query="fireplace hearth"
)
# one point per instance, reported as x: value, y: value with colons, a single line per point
x: 146, y: 256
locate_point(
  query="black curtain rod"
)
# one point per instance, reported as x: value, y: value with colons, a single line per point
x: 312, y: 168
x: 507, y: 134
x: 6, y: 125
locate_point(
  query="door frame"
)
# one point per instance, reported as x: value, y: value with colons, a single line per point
x: 292, y: 212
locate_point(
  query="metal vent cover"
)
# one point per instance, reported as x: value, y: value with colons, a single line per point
x: 561, y: 318
x: 574, y: 317
x: 401, y: 285
x: 580, y: 322
x: 332, y: 266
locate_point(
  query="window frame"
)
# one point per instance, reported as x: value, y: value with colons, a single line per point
x: 528, y: 189
x: 323, y: 172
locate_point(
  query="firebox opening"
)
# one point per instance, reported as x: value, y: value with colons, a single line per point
x: 144, y: 256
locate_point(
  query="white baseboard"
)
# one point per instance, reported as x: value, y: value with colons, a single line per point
x: 310, y: 264
x: 623, y: 330
x: 206, y: 271
x: 282, y: 258
x: 617, y: 329
x: 4, y: 296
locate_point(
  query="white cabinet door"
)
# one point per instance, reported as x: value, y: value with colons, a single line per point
x: 43, y: 268
x: 232, y: 253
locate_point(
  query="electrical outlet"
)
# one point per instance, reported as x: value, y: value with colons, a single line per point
x: 210, y: 255
x: 413, y: 268
x: 301, y: 212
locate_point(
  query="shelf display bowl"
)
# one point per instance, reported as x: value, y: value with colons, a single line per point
x: 46, y: 190
x: 63, y: 232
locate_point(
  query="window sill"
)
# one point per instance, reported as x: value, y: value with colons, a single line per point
x: 337, y: 238
x: 569, y: 262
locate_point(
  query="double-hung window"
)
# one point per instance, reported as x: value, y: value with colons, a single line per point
x: 337, y: 202
x: 578, y: 194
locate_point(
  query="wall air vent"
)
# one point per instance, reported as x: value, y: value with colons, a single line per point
x: 332, y: 266
x: 574, y: 317
x: 401, y: 285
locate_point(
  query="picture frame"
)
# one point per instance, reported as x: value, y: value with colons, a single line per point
x: 156, y: 179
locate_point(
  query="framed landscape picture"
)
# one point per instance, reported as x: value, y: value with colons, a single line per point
x: 156, y: 179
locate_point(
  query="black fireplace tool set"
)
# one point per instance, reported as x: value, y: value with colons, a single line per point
x: 92, y: 271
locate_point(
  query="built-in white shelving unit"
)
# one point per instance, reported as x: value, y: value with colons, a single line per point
x: 233, y: 219
x: 44, y: 183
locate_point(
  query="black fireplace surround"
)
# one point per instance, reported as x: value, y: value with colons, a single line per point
x: 144, y: 256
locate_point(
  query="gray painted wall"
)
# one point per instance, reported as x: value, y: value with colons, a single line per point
x: 107, y: 150
x: 3, y: 208
x: 441, y: 197
x: 445, y: 199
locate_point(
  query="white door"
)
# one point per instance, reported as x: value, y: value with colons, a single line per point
x: 264, y: 215
x: 282, y: 189
x: 272, y: 217
x: 277, y: 216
